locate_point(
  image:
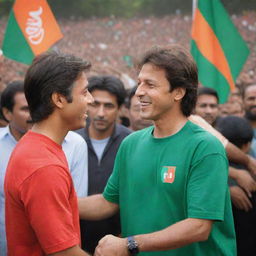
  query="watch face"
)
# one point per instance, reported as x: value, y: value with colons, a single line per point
x: 132, y: 246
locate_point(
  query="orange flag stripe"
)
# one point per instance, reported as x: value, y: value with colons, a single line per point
x: 210, y: 47
x: 37, y: 24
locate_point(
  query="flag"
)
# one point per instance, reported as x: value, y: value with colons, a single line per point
x: 217, y: 47
x: 31, y: 30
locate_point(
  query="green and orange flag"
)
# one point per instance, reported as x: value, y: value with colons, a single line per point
x: 31, y: 30
x: 217, y: 47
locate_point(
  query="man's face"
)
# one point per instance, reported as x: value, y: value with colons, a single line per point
x: 74, y: 113
x: 103, y: 111
x: 136, y: 122
x: 19, y: 116
x: 250, y: 102
x: 153, y: 92
x: 207, y: 108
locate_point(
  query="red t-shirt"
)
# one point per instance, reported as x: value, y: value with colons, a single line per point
x: 41, y: 204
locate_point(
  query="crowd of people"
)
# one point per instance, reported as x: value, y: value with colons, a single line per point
x: 110, y: 42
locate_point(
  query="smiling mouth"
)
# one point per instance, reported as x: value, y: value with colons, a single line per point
x: 144, y: 104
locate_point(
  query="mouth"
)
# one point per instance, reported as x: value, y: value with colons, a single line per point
x: 144, y: 103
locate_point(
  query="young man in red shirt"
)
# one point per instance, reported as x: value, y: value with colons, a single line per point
x: 41, y: 203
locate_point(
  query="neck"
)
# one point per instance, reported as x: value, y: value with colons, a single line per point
x: 169, y: 125
x: 15, y: 133
x: 100, y: 135
x: 52, y: 128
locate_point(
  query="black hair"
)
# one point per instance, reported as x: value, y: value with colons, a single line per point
x: 180, y: 70
x: 51, y: 72
x: 130, y: 95
x: 111, y: 84
x: 236, y: 129
x: 8, y: 95
x: 207, y: 91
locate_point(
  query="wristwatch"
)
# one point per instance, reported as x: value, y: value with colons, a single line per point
x: 132, y: 246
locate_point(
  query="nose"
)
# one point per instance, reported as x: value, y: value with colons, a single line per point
x: 140, y: 90
x: 90, y: 98
x: 208, y: 109
x: 101, y: 111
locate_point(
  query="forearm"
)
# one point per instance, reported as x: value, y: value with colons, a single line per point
x: 175, y: 236
x: 96, y: 207
x: 236, y: 155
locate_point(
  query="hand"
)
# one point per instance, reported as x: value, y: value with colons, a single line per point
x: 240, y: 199
x: 112, y: 246
x: 245, y: 180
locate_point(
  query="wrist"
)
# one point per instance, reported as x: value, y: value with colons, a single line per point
x: 132, y: 246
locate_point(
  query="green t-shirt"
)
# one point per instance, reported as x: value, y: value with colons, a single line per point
x: 160, y: 181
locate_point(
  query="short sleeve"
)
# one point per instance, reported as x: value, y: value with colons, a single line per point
x: 207, y: 188
x: 46, y: 198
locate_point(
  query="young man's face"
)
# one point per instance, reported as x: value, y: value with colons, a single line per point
x: 103, y: 111
x: 19, y: 116
x: 207, y: 108
x: 156, y: 100
x: 75, y: 113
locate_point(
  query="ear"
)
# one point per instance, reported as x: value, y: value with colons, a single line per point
x: 179, y: 93
x: 7, y: 114
x: 58, y: 100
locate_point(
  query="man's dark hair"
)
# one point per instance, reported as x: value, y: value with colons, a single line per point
x: 51, y: 72
x: 8, y: 94
x: 130, y: 94
x: 180, y: 69
x: 207, y: 91
x: 111, y: 84
x: 236, y: 129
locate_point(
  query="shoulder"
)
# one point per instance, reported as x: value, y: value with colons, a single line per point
x: 3, y: 132
x: 120, y: 129
x: 73, y: 137
x: 204, y: 142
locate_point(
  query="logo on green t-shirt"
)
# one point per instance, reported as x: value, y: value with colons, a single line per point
x: 168, y: 174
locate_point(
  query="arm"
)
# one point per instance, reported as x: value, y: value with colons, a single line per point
x: 75, y: 149
x: 175, y: 236
x: 96, y: 207
x: 73, y: 251
x: 243, y: 179
x: 234, y: 153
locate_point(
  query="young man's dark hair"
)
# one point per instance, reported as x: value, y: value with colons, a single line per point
x: 207, y: 91
x: 7, y: 96
x: 180, y: 69
x: 130, y: 94
x: 51, y: 72
x: 110, y: 84
x: 236, y: 129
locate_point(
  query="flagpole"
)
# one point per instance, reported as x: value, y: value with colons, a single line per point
x: 194, y: 5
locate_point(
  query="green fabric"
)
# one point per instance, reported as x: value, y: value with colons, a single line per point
x: 15, y: 46
x: 210, y: 77
x: 199, y: 189
x: 233, y: 45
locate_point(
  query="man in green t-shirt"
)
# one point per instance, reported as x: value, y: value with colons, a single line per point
x: 169, y: 180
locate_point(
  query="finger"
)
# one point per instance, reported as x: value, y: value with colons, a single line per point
x: 247, y: 205
x: 248, y: 192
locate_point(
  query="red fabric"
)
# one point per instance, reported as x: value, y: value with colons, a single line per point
x: 41, y: 204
